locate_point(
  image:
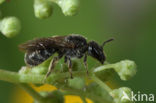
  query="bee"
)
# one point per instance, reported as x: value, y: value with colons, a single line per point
x: 70, y: 46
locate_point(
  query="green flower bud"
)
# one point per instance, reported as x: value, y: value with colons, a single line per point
x: 42, y: 8
x: 125, y: 69
x: 69, y: 7
x: 1, y: 1
x: 10, y: 26
x: 76, y: 82
x: 122, y: 95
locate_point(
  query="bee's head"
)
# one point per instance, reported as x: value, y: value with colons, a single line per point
x: 96, y: 51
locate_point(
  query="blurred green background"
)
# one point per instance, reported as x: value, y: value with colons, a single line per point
x: 132, y: 23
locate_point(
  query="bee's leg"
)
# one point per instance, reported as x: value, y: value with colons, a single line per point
x: 85, y: 63
x: 65, y: 59
x: 52, y: 65
x: 70, y: 67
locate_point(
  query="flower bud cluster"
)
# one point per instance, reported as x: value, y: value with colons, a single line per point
x: 10, y: 26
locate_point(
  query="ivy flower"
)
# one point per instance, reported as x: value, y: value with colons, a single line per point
x: 69, y: 7
x: 121, y: 95
x: 42, y: 8
x: 10, y: 26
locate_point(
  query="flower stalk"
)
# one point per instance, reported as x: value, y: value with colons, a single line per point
x: 76, y: 86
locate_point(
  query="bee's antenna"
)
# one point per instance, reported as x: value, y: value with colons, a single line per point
x: 109, y: 40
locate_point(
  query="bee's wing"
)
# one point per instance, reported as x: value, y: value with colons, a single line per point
x: 44, y: 43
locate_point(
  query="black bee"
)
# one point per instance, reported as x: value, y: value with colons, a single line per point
x: 70, y: 46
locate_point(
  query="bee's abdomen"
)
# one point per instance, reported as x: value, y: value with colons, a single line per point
x: 33, y: 58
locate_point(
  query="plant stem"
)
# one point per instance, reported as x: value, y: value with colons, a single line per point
x: 9, y: 76
x: 102, y: 84
x: 35, y: 78
x: 15, y: 77
x: 104, y: 67
x: 32, y: 92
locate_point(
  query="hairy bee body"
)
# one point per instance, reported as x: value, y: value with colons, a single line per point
x: 42, y: 52
x: 33, y: 58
